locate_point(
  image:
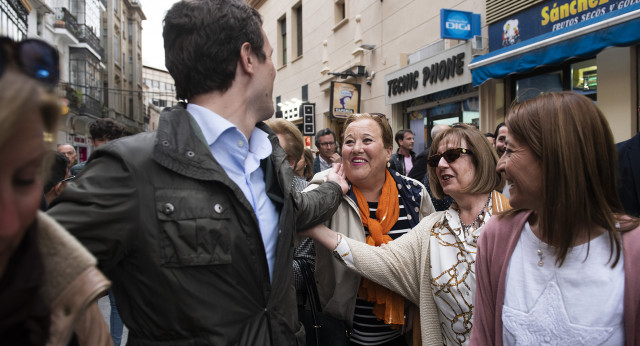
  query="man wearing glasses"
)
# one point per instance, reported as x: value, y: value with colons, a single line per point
x: 327, y: 154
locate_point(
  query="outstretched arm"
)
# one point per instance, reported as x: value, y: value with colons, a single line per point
x: 395, y: 265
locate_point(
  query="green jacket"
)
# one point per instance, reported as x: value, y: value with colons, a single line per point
x: 181, y: 243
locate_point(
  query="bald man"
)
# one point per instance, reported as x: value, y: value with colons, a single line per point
x: 69, y: 152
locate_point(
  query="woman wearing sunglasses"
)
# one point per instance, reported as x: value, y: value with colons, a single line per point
x: 562, y: 267
x: 434, y: 264
x: 48, y: 281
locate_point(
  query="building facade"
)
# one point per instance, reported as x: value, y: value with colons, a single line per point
x: 381, y: 47
x: 590, y: 47
x: 73, y: 27
x: 160, y: 92
x: 122, y: 75
x: 99, y: 43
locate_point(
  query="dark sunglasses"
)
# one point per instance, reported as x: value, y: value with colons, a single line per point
x: 450, y: 155
x: 36, y: 58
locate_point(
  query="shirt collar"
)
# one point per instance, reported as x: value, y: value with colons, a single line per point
x: 211, y: 123
x: 214, y: 125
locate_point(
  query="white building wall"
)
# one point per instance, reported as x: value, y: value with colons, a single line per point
x: 396, y: 28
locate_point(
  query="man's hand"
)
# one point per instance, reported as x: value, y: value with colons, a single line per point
x: 335, y: 158
x: 336, y: 174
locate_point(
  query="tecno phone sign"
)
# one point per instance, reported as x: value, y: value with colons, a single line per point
x: 459, y: 25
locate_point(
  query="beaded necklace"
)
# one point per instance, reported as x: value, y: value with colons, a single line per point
x: 478, y: 219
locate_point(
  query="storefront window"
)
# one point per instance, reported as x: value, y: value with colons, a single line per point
x: 528, y: 88
x: 584, y: 78
x: 580, y: 77
x: 455, y: 105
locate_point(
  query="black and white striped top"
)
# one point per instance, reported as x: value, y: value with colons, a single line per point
x: 367, y: 329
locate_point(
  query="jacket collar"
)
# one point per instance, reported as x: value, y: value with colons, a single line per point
x: 180, y: 146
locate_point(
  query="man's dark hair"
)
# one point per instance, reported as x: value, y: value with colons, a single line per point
x: 495, y: 134
x: 400, y: 135
x: 324, y: 132
x: 106, y: 129
x: 202, y: 40
x: 57, y: 172
x: 489, y: 134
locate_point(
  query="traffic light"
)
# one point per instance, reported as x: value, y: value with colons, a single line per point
x: 308, y: 111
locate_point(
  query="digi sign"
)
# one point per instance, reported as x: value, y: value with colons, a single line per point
x: 459, y: 25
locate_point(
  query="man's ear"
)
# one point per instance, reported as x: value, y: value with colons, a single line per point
x: 246, y: 59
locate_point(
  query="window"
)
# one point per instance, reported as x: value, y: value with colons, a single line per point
x: 116, y: 50
x: 580, y: 76
x: 13, y: 19
x: 584, y: 78
x: 298, y: 33
x: 130, y: 29
x: 282, y: 40
x: 115, y: 6
x: 340, y: 10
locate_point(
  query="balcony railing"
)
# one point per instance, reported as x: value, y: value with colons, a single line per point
x: 87, y: 36
x: 66, y: 20
x: 82, y: 103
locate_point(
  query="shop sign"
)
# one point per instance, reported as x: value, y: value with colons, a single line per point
x: 549, y: 16
x: 344, y: 99
x: 459, y: 25
x: 80, y: 140
x: 440, y: 72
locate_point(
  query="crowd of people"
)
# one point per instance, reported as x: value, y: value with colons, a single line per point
x: 206, y: 231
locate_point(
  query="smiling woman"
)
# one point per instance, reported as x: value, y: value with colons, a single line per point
x: 380, y: 206
x: 433, y: 265
x: 562, y: 267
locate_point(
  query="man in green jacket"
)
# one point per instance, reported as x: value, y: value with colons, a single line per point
x: 194, y: 223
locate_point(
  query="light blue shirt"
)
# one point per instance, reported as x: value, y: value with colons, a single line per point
x: 240, y: 159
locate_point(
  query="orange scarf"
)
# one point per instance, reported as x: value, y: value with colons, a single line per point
x: 389, y: 305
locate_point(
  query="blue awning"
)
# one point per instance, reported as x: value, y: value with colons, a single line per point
x: 619, y: 28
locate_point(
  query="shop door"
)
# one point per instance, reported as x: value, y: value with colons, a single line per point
x: 446, y: 119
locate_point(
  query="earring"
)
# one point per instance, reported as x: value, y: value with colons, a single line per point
x: 388, y: 164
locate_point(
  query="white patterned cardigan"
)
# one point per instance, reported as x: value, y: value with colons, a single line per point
x: 404, y: 266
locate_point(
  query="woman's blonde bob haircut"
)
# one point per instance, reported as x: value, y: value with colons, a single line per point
x: 483, y: 156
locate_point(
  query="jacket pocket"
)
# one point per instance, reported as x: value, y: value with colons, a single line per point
x: 194, y: 228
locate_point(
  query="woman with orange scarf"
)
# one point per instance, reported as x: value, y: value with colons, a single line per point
x: 433, y: 265
x: 380, y: 206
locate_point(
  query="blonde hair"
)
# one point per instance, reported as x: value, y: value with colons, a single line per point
x: 295, y: 142
x: 19, y: 94
x: 484, y: 158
